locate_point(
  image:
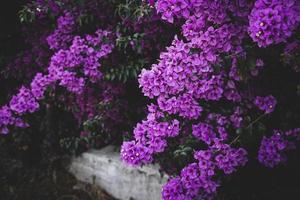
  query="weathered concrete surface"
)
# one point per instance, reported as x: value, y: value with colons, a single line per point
x: 104, y: 168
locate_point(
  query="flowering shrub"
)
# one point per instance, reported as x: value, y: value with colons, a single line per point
x: 72, y: 85
x: 81, y: 53
x: 219, y: 77
x: 204, y: 82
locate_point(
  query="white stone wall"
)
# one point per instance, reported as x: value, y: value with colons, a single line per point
x: 104, y: 168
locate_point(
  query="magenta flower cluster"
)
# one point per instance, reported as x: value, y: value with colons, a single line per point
x: 71, y: 68
x: 266, y: 104
x: 150, y: 137
x: 62, y: 35
x: 196, y: 72
x: 23, y: 102
x: 273, y: 21
x: 84, y: 53
x: 211, y: 10
x: 7, y: 119
x: 273, y: 150
x: 198, y: 180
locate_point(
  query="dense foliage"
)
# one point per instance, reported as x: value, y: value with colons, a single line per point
x: 221, y: 80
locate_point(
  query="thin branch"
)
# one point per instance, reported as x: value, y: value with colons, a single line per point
x: 256, y: 120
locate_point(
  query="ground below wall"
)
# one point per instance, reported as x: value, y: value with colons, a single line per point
x: 105, y: 169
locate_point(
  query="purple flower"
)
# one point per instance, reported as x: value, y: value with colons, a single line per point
x: 204, y: 132
x: 229, y: 159
x: 39, y: 84
x: 8, y: 119
x: 266, y: 104
x: 173, y: 190
x: 135, y: 154
x: 23, y: 102
x: 272, y: 150
x: 274, y: 21
x: 61, y: 36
